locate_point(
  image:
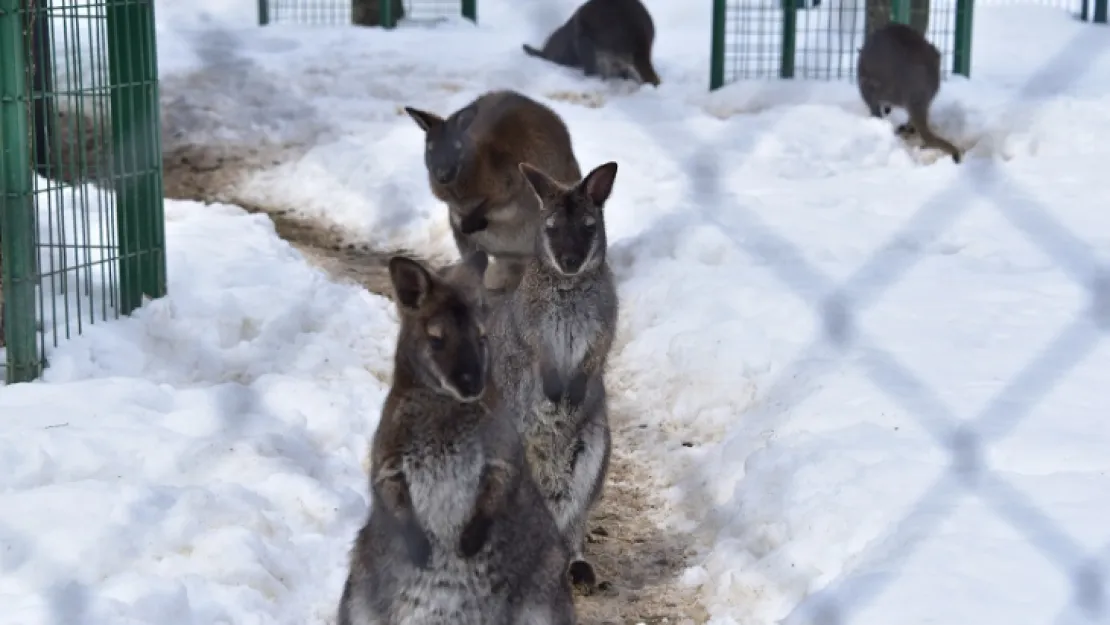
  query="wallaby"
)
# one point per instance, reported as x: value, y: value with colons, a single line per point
x: 899, y: 67
x: 458, y: 532
x: 553, y: 335
x: 471, y: 158
x: 606, y: 38
x: 369, y: 12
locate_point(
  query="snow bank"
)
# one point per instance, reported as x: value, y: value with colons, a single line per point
x: 201, y: 461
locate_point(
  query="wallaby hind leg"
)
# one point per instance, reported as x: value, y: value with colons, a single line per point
x: 919, y: 120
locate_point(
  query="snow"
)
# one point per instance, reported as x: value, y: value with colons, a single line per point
x: 202, y: 461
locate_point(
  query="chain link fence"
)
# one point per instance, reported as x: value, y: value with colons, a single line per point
x: 841, y: 304
x: 965, y: 438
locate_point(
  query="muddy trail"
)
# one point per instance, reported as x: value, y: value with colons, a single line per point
x: 637, y: 563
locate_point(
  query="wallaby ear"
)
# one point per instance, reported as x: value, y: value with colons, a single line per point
x: 411, y: 282
x: 598, y: 184
x: 424, y: 119
x: 464, y: 116
x: 542, y: 184
x: 477, y: 262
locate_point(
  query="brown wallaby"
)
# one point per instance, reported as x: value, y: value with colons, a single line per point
x: 458, y: 532
x: 472, y: 158
x: 553, y: 335
x: 606, y: 38
x: 899, y: 67
x: 369, y: 12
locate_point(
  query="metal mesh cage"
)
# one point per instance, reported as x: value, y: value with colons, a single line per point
x: 374, y: 12
x: 820, y: 39
x: 82, y: 225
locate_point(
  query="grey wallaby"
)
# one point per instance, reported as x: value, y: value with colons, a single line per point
x: 899, y: 67
x: 471, y: 158
x: 553, y: 335
x: 606, y: 38
x: 458, y: 532
x: 369, y: 12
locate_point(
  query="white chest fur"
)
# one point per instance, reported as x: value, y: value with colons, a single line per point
x: 444, y: 487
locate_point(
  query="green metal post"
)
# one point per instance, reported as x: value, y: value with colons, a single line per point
x: 470, y: 10
x: 136, y: 151
x: 961, y: 55
x: 388, y: 19
x: 1100, y: 12
x: 717, y: 45
x: 263, y: 12
x: 17, y: 218
x: 789, y: 37
x: 900, y: 11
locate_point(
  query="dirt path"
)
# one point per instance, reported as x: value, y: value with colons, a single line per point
x: 639, y: 563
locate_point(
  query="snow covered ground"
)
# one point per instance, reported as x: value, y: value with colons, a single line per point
x: 202, y: 461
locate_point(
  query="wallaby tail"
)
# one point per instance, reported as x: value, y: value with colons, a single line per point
x: 921, y: 125
x: 530, y: 51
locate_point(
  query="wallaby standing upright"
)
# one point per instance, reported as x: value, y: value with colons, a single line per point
x: 472, y: 158
x: 553, y: 335
x: 369, y: 12
x: 607, y: 38
x: 899, y: 67
x: 458, y: 532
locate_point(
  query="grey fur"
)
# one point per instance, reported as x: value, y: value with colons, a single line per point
x: 899, y: 67
x: 471, y: 158
x: 458, y: 532
x: 369, y: 12
x: 553, y: 336
x: 606, y: 38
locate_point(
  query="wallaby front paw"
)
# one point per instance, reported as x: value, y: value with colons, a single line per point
x: 552, y: 385
x: 576, y: 390
x: 474, y: 535
x: 418, y: 546
x: 473, y: 223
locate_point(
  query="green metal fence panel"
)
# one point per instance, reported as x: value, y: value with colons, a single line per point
x: 136, y: 150
x: 384, y: 13
x: 17, y: 224
x: 82, y: 230
x: 820, y: 39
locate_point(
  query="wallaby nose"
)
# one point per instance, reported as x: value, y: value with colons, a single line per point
x: 470, y: 383
x: 571, y: 262
x: 444, y: 175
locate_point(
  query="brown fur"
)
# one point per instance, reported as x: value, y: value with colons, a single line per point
x: 472, y: 157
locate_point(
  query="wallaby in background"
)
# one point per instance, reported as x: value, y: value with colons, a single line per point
x: 472, y: 159
x: 899, y: 67
x: 606, y: 38
x: 458, y: 532
x: 369, y: 12
x: 553, y: 336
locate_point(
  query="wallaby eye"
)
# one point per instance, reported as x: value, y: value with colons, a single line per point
x: 435, y: 336
x: 589, y: 221
x: 550, y: 222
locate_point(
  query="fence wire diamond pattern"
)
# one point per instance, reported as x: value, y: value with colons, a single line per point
x: 839, y: 305
x: 964, y: 440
